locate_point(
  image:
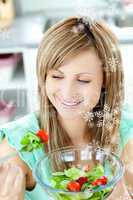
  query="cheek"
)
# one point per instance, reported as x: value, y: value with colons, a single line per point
x: 48, y: 88
x: 92, y: 96
x: 95, y: 97
x: 51, y: 89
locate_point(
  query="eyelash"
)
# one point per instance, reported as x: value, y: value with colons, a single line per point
x: 56, y: 77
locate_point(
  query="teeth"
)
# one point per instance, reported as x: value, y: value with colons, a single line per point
x: 70, y: 104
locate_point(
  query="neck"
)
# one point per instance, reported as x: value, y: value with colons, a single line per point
x: 77, y: 130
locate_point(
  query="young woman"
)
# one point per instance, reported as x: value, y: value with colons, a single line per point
x: 80, y: 85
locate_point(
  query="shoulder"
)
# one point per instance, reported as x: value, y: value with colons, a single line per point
x: 29, y: 120
x: 126, y: 124
x: 127, y: 151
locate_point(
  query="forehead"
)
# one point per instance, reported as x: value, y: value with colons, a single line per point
x: 85, y: 61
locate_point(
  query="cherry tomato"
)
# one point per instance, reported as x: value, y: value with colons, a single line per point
x: 42, y: 135
x: 82, y: 180
x: 97, y: 182
x: 100, y: 181
x: 103, y: 180
x: 73, y: 186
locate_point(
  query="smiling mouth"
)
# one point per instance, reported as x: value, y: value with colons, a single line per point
x: 69, y: 104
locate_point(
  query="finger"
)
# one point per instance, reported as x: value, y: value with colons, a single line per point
x: 13, y: 180
x: 3, y: 177
x: 19, y: 183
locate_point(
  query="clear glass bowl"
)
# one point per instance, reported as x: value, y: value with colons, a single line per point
x: 80, y: 156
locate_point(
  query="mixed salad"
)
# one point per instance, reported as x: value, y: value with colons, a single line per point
x: 82, y: 182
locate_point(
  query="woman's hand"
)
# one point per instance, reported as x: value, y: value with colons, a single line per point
x: 120, y: 192
x: 12, y: 182
x: 127, y: 158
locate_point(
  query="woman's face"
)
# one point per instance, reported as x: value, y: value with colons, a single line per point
x: 75, y: 87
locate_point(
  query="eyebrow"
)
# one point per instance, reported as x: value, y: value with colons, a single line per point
x: 82, y: 73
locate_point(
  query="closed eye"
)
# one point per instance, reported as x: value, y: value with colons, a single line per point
x: 56, y: 76
x: 59, y: 77
x: 82, y: 81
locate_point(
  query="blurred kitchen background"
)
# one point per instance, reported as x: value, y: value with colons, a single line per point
x: 22, y: 24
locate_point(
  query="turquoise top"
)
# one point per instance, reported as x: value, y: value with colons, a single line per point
x: 14, y: 131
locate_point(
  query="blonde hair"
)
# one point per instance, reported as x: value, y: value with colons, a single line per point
x: 60, y: 42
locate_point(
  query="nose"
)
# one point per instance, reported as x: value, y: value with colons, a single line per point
x: 69, y: 91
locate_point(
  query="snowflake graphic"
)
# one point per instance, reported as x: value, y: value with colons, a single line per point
x: 90, y: 116
x: 113, y: 64
x: 106, y: 108
x: 109, y: 126
x: 99, y: 123
x: 78, y: 29
x: 106, y: 114
x: 87, y: 116
x: 99, y: 114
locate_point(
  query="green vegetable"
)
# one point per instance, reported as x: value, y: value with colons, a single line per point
x: 61, y: 179
x: 30, y: 141
x: 95, y: 173
x: 74, y: 173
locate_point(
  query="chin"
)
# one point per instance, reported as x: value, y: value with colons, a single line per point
x: 69, y: 115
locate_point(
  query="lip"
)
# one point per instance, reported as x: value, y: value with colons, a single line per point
x: 69, y: 103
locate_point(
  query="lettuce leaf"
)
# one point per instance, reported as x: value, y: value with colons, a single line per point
x: 74, y: 173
